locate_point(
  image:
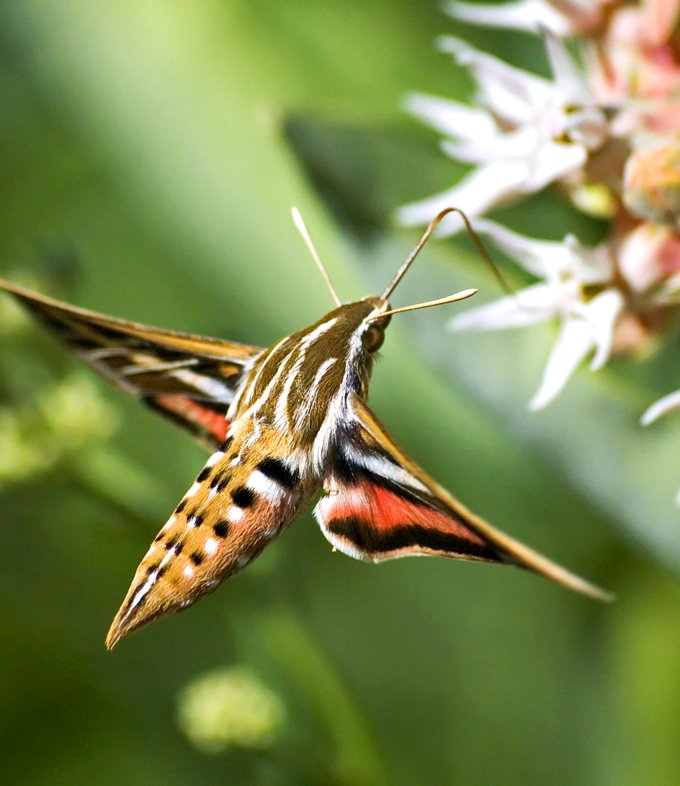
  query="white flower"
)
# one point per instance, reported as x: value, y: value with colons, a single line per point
x: 529, y: 132
x: 607, y: 130
x: 661, y: 407
x: 561, y: 17
x: 570, y: 272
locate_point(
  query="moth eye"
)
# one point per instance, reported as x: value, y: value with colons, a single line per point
x: 373, y: 338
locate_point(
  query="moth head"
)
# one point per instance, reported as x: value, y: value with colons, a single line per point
x: 373, y: 327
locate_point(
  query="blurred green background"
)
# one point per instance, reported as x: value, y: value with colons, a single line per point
x: 150, y: 154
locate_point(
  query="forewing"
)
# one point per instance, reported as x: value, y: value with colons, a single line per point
x: 187, y: 378
x: 240, y: 501
x: 379, y: 505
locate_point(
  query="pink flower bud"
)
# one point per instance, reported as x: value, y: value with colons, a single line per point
x: 651, y: 186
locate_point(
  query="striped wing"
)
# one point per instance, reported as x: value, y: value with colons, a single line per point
x: 188, y: 379
x: 379, y: 505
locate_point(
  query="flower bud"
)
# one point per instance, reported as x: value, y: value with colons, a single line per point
x: 230, y: 708
x: 651, y: 186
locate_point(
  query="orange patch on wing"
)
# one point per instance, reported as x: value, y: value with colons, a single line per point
x: 192, y: 411
x: 384, y: 509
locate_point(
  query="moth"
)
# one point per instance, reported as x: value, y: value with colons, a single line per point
x: 282, y: 423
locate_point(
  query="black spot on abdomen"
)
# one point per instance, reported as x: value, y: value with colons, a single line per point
x: 243, y: 497
x: 277, y: 471
x: 221, y: 529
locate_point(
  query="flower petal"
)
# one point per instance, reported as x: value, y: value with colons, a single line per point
x: 526, y: 15
x: 660, y: 18
x: 574, y: 342
x: 509, y: 92
x: 451, y: 117
x: 519, y: 144
x: 569, y: 80
x: 590, y: 264
x: 661, y: 407
x: 529, y: 307
x: 536, y: 256
x: 477, y: 192
x: 640, y: 254
x: 552, y: 161
x: 603, y: 312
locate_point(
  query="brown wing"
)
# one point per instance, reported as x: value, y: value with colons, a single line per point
x: 189, y: 379
x: 380, y: 505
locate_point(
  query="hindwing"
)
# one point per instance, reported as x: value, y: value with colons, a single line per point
x: 379, y: 505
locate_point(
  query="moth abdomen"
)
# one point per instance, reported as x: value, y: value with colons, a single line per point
x: 237, y: 505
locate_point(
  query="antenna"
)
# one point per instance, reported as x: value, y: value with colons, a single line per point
x: 302, y: 229
x: 426, y: 236
x: 462, y: 295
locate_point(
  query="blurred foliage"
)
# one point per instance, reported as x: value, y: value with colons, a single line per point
x: 166, y: 142
x: 66, y: 417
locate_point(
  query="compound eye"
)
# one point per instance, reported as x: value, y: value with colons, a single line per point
x: 372, y: 338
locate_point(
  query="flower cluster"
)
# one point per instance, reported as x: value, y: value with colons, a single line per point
x: 230, y: 708
x: 606, y: 130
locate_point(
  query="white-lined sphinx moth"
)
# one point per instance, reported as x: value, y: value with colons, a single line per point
x: 282, y: 423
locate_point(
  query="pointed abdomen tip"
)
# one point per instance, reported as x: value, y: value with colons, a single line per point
x: 123, y: 624
x: 115, y: 634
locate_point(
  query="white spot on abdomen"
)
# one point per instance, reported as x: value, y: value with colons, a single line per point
x: 214, y: 458
x: 192, y: 490
x: 234, y: 515
x: 210, y: 546
x: 259, y: 483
